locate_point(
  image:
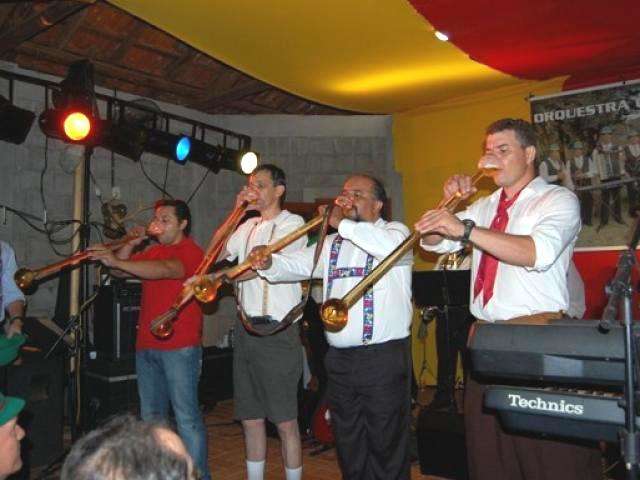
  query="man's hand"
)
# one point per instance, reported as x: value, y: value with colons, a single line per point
x: 335, y: 216
x: 440, y: 222
x: 259, y: 258
x: 248, y: 194
x: 103, y: 255
x: 458, y: 186
x: 15, y: 327
x: 138, y: 234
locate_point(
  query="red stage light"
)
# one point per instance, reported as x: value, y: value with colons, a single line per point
x: 77, y: 126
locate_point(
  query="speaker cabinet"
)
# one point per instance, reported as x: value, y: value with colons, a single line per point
x: 115, y: 320
x: 40, y: 383
x: 441, y: 445
x: 109, y: 388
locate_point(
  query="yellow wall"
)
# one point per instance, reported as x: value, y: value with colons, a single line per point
x: 432, y: 143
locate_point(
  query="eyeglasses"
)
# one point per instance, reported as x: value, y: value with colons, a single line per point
x: 356, y: 194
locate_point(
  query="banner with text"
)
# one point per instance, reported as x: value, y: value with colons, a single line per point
x: 589, y: 142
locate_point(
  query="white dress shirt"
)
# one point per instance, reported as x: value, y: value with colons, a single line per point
x: 280, y: 297
x: 391, y: 294
x: 550, y: 215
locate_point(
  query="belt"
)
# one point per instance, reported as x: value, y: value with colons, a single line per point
x: 541, y: 318
x: 371, y: 346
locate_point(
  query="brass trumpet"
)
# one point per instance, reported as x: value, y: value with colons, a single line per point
x: 25, y: 277
x: 162, y: 326
x: 335, y: 311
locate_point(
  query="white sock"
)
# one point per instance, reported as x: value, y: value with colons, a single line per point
x: 255, y: 470
x: 293, y: 473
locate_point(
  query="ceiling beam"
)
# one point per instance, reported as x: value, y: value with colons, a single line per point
x: 253, y: 87
x: 72, y: 28
x: 39, y: 21
x: 129, y: 40
x: 106, y: 70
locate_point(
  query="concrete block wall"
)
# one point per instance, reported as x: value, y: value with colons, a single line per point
x: 317, y: 153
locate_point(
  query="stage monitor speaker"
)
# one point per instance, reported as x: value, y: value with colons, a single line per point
x: 115, y: 320
x: 441, y: 444
x: 40, y: 383
x: 109, y: 388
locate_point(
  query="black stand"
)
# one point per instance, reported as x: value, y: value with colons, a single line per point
x: 620, y: 292
x: 437, y: 288
x: 77, y: 323
x: 445, y: 295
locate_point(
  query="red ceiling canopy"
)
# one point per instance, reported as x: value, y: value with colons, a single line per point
x: 591, y: 41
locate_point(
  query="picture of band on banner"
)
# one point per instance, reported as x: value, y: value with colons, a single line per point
x: 589, y: 142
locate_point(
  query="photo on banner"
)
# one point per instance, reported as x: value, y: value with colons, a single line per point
x: 589, y: 141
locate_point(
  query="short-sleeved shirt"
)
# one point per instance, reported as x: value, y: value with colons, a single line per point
x: 159, y: 295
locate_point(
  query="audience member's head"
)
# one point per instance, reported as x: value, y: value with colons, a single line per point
x: 10, y: 435
x: 126, y: 448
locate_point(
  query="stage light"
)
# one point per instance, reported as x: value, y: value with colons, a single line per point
x: 248, y: 162
x: 169, y: 145
x: 73, y: 118
x: 183, y: 148
x: 125, y: 139
x: 76, y: 126
x: 242, y: 161
x: 15, y: 123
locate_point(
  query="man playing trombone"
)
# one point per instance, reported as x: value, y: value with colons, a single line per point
x: 368, y: 362
x: 522, y: 237
x: 168, y: 370
x: 266, y: 369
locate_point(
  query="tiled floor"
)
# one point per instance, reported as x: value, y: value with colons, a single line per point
x: 226, y: 453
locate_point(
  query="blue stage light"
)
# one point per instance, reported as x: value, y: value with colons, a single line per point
x: 183, y: 148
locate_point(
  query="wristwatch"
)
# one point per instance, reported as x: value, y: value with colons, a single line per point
x: 468, y: 226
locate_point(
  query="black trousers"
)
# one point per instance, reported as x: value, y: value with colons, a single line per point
x: 609, y: 195
x: 370, y: 407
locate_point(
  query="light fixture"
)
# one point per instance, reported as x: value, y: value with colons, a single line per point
x: 125, y: 139
x: 169, y: 145
x: 73, y: 118
x: 443, y: 37
x: 15, y: 122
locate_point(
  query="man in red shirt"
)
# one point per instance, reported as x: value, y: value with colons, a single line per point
x: 168, y: 370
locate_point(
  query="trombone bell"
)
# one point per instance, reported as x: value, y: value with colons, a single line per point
x: 24, y: 278
x: 334, y: 313
x: 206, y: 290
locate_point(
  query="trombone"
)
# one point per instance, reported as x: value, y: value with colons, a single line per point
x: 335, y: 311
x: 206, y: 290
x: 25, y: 277
x: 162, y: 326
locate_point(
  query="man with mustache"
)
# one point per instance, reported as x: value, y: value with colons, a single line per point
x: 368, y: 362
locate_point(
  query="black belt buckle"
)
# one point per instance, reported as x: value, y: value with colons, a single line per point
x: 262, y: 320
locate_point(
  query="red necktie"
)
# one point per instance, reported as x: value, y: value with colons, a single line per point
x: 488, y: 268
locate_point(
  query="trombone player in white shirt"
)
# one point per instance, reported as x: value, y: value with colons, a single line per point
x: 368, y: 362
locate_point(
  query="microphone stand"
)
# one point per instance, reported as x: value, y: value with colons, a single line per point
x: 620, y: 292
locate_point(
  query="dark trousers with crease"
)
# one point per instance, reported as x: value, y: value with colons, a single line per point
x: 370, y: 407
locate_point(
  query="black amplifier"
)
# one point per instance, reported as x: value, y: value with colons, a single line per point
x: 115, y: 320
